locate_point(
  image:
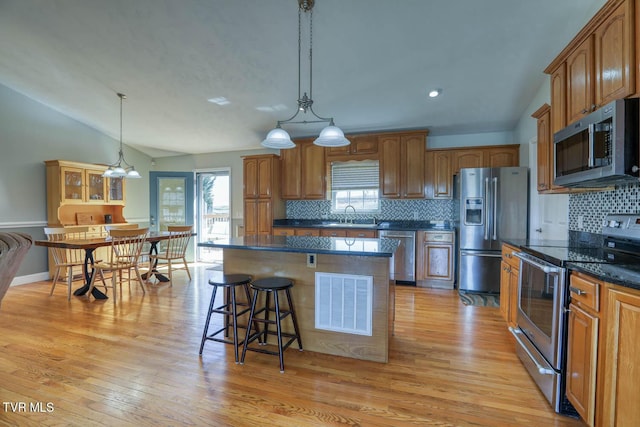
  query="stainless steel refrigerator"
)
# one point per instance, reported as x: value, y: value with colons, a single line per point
x: 494, y: 205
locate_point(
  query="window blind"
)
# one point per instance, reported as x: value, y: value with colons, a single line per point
x: 359, y: 175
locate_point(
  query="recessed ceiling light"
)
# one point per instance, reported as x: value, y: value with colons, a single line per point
x: 220, y: 100
x: 434, y: 92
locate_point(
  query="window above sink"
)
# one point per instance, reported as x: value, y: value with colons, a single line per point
x: 355, y: 187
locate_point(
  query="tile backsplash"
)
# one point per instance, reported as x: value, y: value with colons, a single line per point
x: 593, y: 206
x: 390, y: 210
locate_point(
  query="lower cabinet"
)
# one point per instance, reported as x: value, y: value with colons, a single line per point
x: 582, y: 351
x: 509, y: 272
x: 435, y: 257
x: 620, y: 376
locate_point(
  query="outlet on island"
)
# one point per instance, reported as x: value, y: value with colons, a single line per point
x: 311, y: 260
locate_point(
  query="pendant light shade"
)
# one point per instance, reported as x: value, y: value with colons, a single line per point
x: 278, y: 138
x: 117, y: 170
x: 331, y: 136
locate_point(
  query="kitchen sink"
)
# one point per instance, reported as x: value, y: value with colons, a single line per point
x: 350, y: 225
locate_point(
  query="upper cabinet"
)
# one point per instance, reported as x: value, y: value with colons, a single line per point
x: 439, y: 175
x: 79, y: 188
x: 580, y: 97
x: 303, y: 171
x: 362, y: 147
x: 598, y: 66
x: 545, y: 154
x: 402, y: 165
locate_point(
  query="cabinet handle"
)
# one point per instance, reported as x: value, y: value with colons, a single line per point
x: 577, y: 291
x: 585, y: 111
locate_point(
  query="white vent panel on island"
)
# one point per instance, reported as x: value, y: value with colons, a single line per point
x: 344, y: 303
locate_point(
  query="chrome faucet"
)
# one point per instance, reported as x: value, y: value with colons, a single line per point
x: 345, y: 213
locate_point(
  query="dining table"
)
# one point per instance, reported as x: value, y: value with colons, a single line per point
x: 91, y: 244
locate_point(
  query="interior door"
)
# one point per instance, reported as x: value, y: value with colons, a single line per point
x: 171, y: 198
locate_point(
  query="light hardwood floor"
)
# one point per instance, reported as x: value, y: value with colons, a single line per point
x: 136, y: 364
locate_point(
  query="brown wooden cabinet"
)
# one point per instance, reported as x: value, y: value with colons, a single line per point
x: 262, y: 202
x: 467, y: 158
x: 582, y: 350
x: 544, y: 148
x: 559, y: 98
x: 362, y: 147
x: 434, y: 259
x: 509, y: 271
x: 620, y: 353
x: 75, y: 188
x: 597, y: 66
x: 402, y: 162
x: 439, y: 174
x: 614, y: 55
x: 303, y: 171
x: 580, y: 96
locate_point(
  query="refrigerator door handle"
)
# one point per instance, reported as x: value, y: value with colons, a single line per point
x: 495, y: 208
x: 486, y: 210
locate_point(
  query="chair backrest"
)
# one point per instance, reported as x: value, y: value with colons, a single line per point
x: 13, y: 248
x: 126, y: 246
x: 179, y: 236
x: 62, y: 255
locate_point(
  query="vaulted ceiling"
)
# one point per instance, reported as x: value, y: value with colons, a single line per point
x: 373, y: 64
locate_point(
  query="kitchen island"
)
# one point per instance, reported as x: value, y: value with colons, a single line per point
x: 343, y: 291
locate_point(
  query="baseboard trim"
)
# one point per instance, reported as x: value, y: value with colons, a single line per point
x: 30, y: 278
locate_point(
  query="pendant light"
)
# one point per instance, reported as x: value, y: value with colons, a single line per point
x: 121, y: 169
x: 330, y: 136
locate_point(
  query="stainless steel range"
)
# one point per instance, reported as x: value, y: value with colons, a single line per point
x: 543, y: 298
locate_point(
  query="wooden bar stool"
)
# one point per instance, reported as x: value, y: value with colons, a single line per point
x: 229, y: 309
x: 268, y: 286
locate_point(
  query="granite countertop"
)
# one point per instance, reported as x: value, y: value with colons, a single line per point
x: 305, y: 244
x: 627, y: 275
x: 367, y: 224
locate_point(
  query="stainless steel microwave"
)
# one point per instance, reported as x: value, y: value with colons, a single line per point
x: 599, y: 150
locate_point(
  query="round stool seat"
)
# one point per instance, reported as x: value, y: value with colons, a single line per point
x: 272, y: 284
x: 220, y: 279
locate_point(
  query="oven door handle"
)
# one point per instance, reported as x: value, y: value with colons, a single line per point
x: 530, y: 260
x: 543, y: 371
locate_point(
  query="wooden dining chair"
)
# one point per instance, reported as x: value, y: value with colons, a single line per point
x: 175, y: 249
x: 128, y: 226
x: 66, y: 259
x: 126, y: 246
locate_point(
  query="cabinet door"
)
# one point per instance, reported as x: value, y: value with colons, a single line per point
x: 313, y: 171
x: 438, y: 262
x: 364, y: 144
x: 250, y: 178
x: 559, y: 98
x: 580, y: 82
x: 115, y: 191
x: 501, y: 157
x: 442, y: 175
x: 390, y: 166
x: 250, y: 217
x: 72, y: 184
x: 513, y: 296
x: 362, y: 234
x: 504, y: 290
x: 472, y: 158
x: 413, y: 148
x: 95, y: 187
x: 290, y: 172
x: 330, y: 232
x: 614, y: 70
x: 582, y: 362
x: 545, y: 172
x: 622, y: 359
x: 265, y: 177
x: 265, y: 217
x: 279, y: 231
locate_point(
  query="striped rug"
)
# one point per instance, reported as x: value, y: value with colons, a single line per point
x: 479, y: 299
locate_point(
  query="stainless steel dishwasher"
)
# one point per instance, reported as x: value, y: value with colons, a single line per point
x: 403, y: 265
